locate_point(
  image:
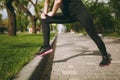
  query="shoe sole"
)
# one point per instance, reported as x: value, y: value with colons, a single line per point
x: 105, y: 65
x: 108, y: 63
x: 45, y: 53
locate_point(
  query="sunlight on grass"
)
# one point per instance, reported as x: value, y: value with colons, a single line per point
x: 16, y: 52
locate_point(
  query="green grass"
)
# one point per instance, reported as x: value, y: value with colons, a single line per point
x: 15, y: 52
x: 114, y: 34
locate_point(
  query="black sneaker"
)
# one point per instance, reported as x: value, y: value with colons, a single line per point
x: 44, y: 51
x: 106, y: 61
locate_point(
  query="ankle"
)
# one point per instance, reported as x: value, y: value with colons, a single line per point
x: 46, y: 46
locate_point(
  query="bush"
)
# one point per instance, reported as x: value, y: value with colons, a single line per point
x: 2, y: 29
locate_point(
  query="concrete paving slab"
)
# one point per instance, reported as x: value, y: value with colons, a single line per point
x: 77, y: 58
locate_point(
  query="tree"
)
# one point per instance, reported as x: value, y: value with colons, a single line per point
x: 32, y: 17
x: 11, y: 17
x: 101, y: 13
x: 115, y: 6
x: 22, y: 21
x: 37, y: 7
x: 0, y: 18
x: 10, y: 5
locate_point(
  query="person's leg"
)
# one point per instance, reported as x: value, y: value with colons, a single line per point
x: 87, y: 22
x: 58, y: 18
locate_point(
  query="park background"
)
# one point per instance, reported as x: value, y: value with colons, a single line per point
x: 20, y: 29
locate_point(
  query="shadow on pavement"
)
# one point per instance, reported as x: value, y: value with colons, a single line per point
x: 83, y: 53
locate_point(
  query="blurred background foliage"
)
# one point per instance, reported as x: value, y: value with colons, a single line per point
x: 106, y: 16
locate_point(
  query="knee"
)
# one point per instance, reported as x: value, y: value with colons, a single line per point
x: 44, y: 20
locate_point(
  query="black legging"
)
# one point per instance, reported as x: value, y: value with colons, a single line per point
x: 85, y: 20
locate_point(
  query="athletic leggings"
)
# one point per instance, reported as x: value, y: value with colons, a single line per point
x: 85, y: 20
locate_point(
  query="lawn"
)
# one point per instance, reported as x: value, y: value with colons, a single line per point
x: 15, y: 52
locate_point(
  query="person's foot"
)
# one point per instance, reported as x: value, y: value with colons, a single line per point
x: 106, y: 61
x: 44, y: 50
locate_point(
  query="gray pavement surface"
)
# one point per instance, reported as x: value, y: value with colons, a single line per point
x: 77, y: 58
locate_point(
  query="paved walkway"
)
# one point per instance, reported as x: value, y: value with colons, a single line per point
x: 77, y: 58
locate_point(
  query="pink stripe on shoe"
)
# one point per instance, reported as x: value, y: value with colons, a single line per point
x: 47, y: 52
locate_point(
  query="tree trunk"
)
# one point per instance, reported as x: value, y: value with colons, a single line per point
x: 95, y: 4
x: 11, y: 18
x: 33, y: 24
x: 36, y: 11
